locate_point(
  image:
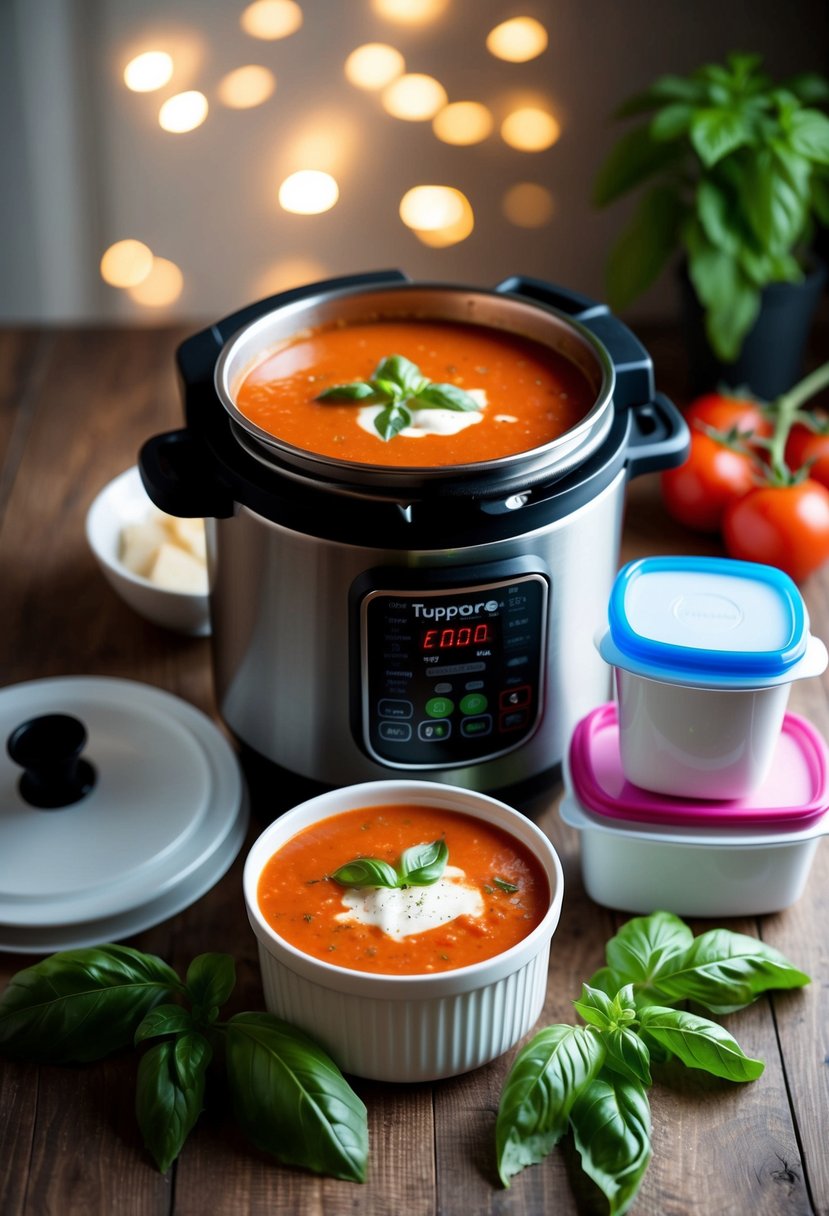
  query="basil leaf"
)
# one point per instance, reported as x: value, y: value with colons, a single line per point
x: 445, y: 397
x: 391, y: 420
x: 810, y: 135
x: 163, y: 1020
x: 543, y: 1083
x: 645, y: 946
x: 191, y: 1053
x: 366, y: 872
x: 168, y: 1101
x: 725, y: 971
x: 80, y: 1005
x: 612, y: 1131
x: 700, y: 1043
x: 508, y: 887
x: 627, y: 1055
x: 423, y: 864
x: 717, y: 130
x: 401, y: 372
x: 360, y: 390
x: 292, y: 1100
x: 210, y: 980
x: 645, y: 245
x: 595, y: 1006
x: 605, y: 980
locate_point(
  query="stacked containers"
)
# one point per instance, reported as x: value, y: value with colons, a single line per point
x: 700, y: 793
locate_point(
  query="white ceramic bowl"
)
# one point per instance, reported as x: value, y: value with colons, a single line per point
x: 407, y: 1027
x: 125, y: 501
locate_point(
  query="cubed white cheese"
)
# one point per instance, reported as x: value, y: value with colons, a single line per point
x: 176, y: 570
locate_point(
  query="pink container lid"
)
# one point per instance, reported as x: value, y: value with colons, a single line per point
x: 793, y: 795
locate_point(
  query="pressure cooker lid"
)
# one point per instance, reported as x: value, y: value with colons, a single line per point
x: 120, y: 805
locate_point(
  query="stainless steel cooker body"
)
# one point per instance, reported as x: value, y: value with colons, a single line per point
x: 367, y: 621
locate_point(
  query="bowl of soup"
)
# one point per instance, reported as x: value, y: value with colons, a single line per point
x: 405, y: 925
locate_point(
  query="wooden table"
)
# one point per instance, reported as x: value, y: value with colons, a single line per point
x: 74, y: 407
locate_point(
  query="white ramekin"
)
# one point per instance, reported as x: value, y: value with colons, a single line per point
x: 408, y: 1027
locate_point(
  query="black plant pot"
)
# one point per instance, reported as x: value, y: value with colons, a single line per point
x: 771, y: 360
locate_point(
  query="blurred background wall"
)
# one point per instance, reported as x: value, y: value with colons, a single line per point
x: 87, y: 163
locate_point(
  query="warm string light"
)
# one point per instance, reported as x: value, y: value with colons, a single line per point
x: 148, y: 71
x: 438, y: 215
x: 373, y: 66
x: 246, y: 87
x: 414, y: 97
x: 410, y: 12
x: 183, y: 112
x: 528, y: 205
x: 162, y: 286
x: 463, y: 123
x: 271, y: 19
x: 530, y: 129
x: 149, y: 280
x: 308, y: 192
x: 517, y: 40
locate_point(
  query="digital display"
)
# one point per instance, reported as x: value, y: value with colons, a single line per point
x: 456, y: 637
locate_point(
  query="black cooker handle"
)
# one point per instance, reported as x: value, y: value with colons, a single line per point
x: 659, y: 437
x: 180, y: 477
x: 634, y: 370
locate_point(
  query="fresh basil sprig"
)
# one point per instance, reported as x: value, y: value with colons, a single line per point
x: 399, y: 385
x: 420, y: 866
x: 288, y: 1094
x: 593, y: 1080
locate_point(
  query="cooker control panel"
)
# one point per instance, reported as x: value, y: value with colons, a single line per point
x: 448, y: 675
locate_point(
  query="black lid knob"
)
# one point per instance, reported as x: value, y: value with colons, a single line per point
x: 48, y: 748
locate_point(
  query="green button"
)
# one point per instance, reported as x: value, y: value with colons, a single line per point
x: 439, y: 707
x: 474, y: 703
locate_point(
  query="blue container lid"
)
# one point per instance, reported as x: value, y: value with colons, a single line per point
x: 705, y: 620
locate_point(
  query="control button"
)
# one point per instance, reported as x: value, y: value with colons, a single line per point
x: 443, y: 688
x: 434, y: 732
x: 520, y: 660
x: 473, y: 685
x: 514, y: 719
x: 395, y: 732
x: 470, y: 727
x: 387, y: 708
x: 473, y: 703
x: 439, y: 707
x: 511, y: 698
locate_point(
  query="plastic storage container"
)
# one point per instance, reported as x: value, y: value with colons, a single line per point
x: 643, y: 851
x: 705, y: 652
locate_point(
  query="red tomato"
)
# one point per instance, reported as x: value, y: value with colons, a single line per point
x: 726, y: 413
x: 697, y: 493
x: 804, y: 444
x: 784, y: 526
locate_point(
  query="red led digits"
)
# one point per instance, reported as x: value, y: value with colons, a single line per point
x: 456, y: 638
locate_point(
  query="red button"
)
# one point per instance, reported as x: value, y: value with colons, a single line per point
x: 512, y: 698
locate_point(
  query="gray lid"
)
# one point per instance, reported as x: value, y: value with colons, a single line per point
x: 164, y: 819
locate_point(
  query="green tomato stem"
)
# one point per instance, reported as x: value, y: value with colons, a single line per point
x: 786, y: 408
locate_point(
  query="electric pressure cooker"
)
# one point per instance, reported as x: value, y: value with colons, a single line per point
x: 438, y: 622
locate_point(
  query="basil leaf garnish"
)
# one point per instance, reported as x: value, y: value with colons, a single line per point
x: 366, y: 872
x: 509, y: 887
x: 169, y: 1098
x: 700, y: 1043
x: 446, y: 397
x: 645, y: 947
x: 627, y: 1055
x: 612, y: 1131
x: 401, y: 372
x: 358, y: 391
x: 292, y: 1100
x: 210, y: 980
x: 423, y: 864
x: 544, y: 1082
x: 80, y: 1005
x: 390, y: 421
x: 725, y: 971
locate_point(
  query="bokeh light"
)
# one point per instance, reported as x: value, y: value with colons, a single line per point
x: 148, y: 71
x: 183, y: 112
x: 528, y: 205
x: 374, y: 65
x: 271, y: 19
x: 126, y: 263
x: 308, y: 192
x: 410, y: 12
x: 162, y: 286
x: 530, y: 129
x: 246, y: 87
x: 287, y: 273
x: 517, y: 40
x: 414, y: 97
x: 463, y: 123
x: 438, y: 215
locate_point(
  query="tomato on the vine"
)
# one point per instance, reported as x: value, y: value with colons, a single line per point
x: 782, y: 525
x: 803, y: 445
x: 697, y: 493
x: 725, y: 413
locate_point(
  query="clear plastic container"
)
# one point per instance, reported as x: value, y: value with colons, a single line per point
x: 642, y: 851
x: 705, y: 651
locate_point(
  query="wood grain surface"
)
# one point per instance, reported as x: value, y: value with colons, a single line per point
x: 75, y: 405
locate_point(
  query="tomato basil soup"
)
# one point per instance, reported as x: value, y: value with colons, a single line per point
x: 526, y: 393
x: 490, y: 893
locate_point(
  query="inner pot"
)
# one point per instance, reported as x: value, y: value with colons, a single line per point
x: 344, y: 306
